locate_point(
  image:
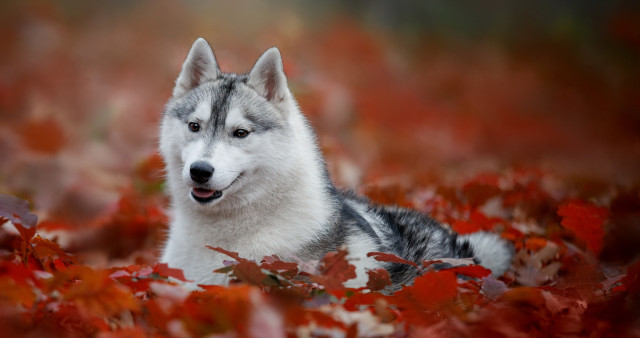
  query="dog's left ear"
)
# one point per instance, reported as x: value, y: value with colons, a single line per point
x: 199, y: 67
x: 267, y: 76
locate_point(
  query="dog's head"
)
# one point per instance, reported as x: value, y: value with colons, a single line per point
x: 223, y: 136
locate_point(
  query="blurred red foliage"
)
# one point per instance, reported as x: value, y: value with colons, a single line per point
x: 529, y: 140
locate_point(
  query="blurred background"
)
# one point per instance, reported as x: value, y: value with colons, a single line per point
x: 401, y: 93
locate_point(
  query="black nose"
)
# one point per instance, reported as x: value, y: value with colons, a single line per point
x: 201, y: 171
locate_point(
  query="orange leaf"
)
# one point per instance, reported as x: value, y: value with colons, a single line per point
x: 535, y: 243
x: 16, y: 294
x: 92, y: 291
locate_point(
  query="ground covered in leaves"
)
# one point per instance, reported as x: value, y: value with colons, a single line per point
x: 556, y: 285
x: 532, y: 136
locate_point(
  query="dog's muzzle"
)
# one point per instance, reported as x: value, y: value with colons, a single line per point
x: 200, y: 173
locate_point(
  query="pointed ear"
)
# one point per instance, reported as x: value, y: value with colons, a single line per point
x: 267, y: 76
x: 200, y: 66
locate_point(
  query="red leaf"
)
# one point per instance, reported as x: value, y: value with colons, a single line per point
x: 18, y: 272
x: 429, y: 293
x: 249, y: 272
x: 16, y: 294
x: 475, y: 271
x: 231, y: 254
x: 586, y: 221
x: 477, y: 222
x: 434, y: 288
x: 50, y: 254
x: 45, y: 136
x: 391, y: 258
x: 274, y: 263
x: 17, y: 285
x: 59, y: 264
x: 464, y: 227
x: 481, y: 188
x: 54, y: 225
x: 378, y: 279
x: 26, y: 233
x: 164, y: 270
x: 335, y: 270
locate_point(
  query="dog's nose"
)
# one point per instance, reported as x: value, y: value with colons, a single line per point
x: 201, y: 171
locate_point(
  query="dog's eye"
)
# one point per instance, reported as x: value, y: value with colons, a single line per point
x: 240, y: 133
x: 194, y: 127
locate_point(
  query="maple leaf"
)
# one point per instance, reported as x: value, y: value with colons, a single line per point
x: 92, y: 291
x: 276, y: 266
x: 538, y: 268
x: 391, y: 258
x: 231, y: 254
x: 50, y: 251
x: 17, y: 284
x: 218, y: 309
x: 164, y: 270
x: 378, y: 279
x: 585, y: 221
x: 334, y: 270
x: 428, y: 294
x: 249, y: 272
x: 244, y: 270
x: 17, y: 211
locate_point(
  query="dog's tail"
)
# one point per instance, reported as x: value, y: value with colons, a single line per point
x: 491, y: 251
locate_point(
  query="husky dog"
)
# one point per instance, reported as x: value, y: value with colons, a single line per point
x: 244, y: 173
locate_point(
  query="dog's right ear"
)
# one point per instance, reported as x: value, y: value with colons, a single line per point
x: 200, y: 66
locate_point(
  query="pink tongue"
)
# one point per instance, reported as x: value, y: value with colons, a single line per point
x: 203, y: 193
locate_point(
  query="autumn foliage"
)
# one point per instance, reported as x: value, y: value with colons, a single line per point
x: 525, y: 139
x: 556, y: 284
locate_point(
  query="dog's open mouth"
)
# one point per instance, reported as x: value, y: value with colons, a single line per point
x: 205, y: 195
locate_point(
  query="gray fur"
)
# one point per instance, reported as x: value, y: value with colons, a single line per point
x: 272, y: 191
